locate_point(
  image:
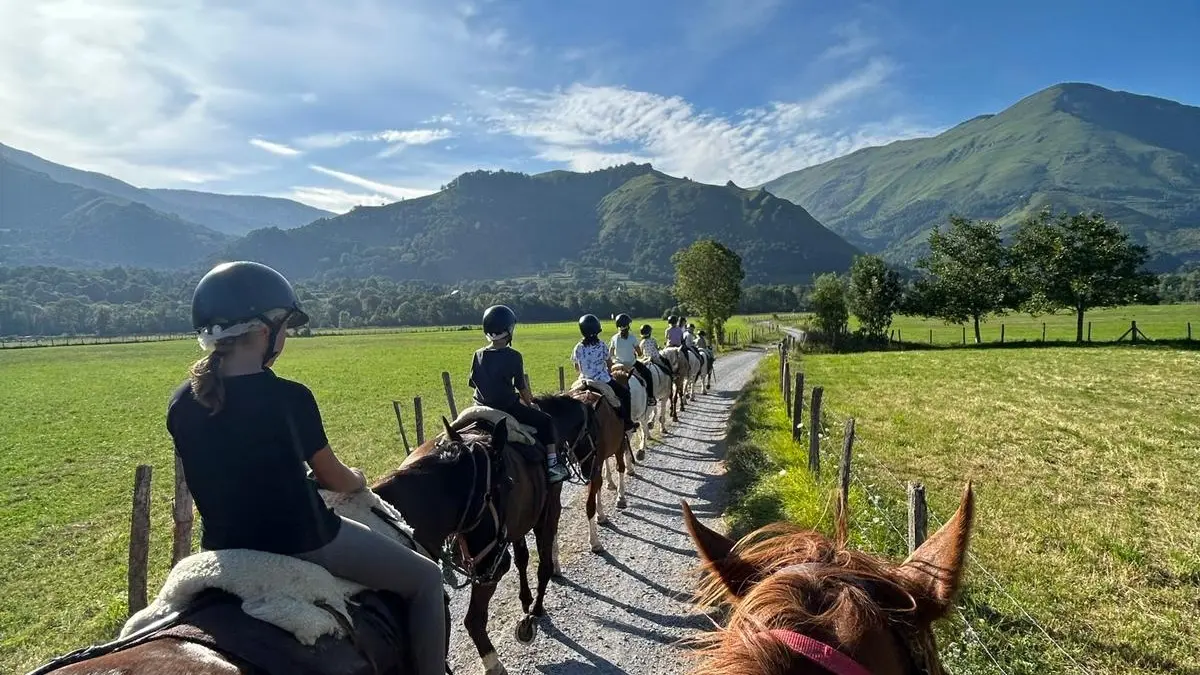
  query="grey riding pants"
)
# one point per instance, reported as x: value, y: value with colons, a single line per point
x: 375, y: 561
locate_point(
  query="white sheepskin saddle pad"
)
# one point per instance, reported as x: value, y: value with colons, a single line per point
x: 517, y: 432
x: 602, y: 387
x: 278, y: 589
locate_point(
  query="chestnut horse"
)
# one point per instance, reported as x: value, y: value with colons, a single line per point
x: 805, y: 605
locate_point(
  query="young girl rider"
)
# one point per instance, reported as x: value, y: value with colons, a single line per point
x: 624, y: 350
x: 592, y: 361
x: 244, y: 435
x: 649, y: 345
x: 498, y: 378
x: 674, y: 333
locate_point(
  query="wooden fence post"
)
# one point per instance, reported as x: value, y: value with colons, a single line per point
x: 1043, y: 331
x: 1001, y: 333
x: 562, y: 379
x: 844, y: 468
x: 449, y: 395
x: 798, y: 407
x: 1189, y: 331
x: 400, y: 426
x: 930, y: 336
x: 964, y: 339
x: 419, y: 420
x: 139, y: 539
x: 787, y: 388
x: 918, y: 516
x: 183, y: 515
x: 528, y: 382
x: 814, y: 432
x: 1089, y: 331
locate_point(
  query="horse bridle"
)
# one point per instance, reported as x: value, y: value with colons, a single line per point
x: 839, y: 663
x: 465, y: 563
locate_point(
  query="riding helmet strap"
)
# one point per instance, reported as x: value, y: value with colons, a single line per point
x: 275, y: 328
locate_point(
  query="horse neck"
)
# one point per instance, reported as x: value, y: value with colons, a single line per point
x: 431, y: 501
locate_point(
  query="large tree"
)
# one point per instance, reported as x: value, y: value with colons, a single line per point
x: 708, y: 281
x: 1079, y: 262
x: 967, y: 273
x: 874, y: 294
x: 828, y: 302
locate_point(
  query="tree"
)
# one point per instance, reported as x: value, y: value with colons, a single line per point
x: 1079, y: 262
x: 708, y: 281
x: 874, y: 294
x: 968, y: 274
x: 828, y: 301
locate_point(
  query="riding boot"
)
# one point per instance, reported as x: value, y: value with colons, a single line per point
x: 555, y: 468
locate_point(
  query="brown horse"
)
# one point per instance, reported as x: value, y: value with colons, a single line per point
x: 605, y: 438
x: 681, y: 367
x: 805, y: 605
x: 479, y: 493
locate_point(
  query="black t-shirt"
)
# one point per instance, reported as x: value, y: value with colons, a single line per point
x: 245, y: 465
x: 496, y: 375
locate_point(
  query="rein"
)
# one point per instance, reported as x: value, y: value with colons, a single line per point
x: 464, y: 562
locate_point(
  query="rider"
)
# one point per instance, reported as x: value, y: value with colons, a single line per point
x: 498, y: 378
x: 702, y: 341
x: 592, y: 362
x: 689, y: 339
x: 674, y: 333
x: 649, y: 345
x: 244, y: 434
x: 624, y: 350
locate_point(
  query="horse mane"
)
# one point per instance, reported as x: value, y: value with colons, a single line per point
x: 804, y: 582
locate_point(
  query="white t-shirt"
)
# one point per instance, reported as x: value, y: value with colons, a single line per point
x: 688, y: 339
x: 623, y: 349
x: 592, y: 361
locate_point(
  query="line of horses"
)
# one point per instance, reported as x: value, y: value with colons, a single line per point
x: 472, y: 496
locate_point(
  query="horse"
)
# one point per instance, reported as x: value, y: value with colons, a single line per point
x: 802, y: 604
x: 661, y: 387
x: 198, y: 625
x: 687, y: 368
x: 707, y: 374
x: 604, y: 438
x: 477, y: 492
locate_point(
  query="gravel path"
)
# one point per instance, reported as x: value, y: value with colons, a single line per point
x: 623, y: 610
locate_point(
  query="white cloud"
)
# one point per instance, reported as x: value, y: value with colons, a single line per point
x: 590, y: 127
x: 274, y: 148
x: 338, y: 201
x: 391, y: 136
x: 394, y: 191
x: 852, y: 42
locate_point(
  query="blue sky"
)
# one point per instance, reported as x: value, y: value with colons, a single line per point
x: 342, y: 102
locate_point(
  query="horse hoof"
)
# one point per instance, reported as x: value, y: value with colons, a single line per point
x: 538, y: 610
x: 612, y: 486
x: 598, y: 548
x: 525, y: 630
x: 641, y: 454
x: 621, y: 503
x: 558, y: 572
x: 602, y: 520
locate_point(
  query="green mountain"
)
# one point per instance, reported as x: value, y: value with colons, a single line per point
x: 230, y: 214
x: 45, y: 222
x: 501, y: 225
x: 1072, y: 146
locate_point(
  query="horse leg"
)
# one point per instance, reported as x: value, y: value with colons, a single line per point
x: 546, y: 535
x: 476, y: 625
x: 644, y: 437
x: 621, y: 470
x: 521, y: 557
x: 595, y: 512
x: 627, y: 450
x: 608, y: 473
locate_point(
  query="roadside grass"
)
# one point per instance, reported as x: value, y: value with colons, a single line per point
x: 76, y: 421
x: 1084, y: 468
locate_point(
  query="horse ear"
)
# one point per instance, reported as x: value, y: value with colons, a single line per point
x: 499, y: 437
x: 716, y: 550
x: 934, y: 571
x: 450, y: 432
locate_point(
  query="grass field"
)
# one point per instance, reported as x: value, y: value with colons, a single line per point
x: 1084, y: 463
x: 76, y: 421
x: 1158, y: 322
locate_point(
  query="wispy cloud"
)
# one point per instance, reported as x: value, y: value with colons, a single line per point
x: 391, y: 136
x: 588, y: 127
x: 331, y: 199
x: 274, y: 148
x: 393, y: 191
x: 852, y: 41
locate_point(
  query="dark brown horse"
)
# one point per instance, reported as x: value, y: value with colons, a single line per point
x: 605, y: 438
x: 478, y: 493
x: 803, y: 604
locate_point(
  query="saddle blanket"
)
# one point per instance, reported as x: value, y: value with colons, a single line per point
x: 281, y: 590
x: 517, y: 432
x: 584, y: 383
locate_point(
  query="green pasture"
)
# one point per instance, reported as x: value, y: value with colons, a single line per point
x: 76, y: 421
x: 1087, y: 545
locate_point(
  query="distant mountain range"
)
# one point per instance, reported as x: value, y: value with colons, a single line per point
x: 1071, y: 146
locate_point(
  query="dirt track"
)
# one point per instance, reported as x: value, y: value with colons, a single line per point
x: 622, y: 611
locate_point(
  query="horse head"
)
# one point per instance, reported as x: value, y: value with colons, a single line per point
x: 802, y: 603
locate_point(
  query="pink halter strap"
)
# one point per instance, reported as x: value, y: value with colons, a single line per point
x: 818, y: 652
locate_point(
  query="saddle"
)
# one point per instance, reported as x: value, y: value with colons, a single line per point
x: 632, y: 372
x: 602, y: 388
x: 517, y: 432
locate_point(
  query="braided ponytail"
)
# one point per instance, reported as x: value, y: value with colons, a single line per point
x: 205, y: 375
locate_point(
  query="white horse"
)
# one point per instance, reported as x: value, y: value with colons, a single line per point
x: 707, y: 374
x: 686, y: 369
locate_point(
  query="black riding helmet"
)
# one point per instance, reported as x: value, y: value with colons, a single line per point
x: 646, y: 330
x: 589, y: 325
x: 672, y: 320
x: 499, y: 322
x: 236, y: 292
x: 623, y: 321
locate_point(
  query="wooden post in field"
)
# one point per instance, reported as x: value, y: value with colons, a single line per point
x: 787, y: 388
x: 183, y: 516
x: 844, y: 468
x: 1089, y: 331
x: 528, y: 382
x: 139, y: 538
x: 964, y: 341
x: 562, y: 379
x: 1189, y: 331
x: 930, y: 336
x: 1001, y: 333
x: 797, y: 407
x: 449, y: 395
x: 1043, y: 331
x: 419, y: 420
x: 814, y: 432
x: 400, y: 426
x: 918, y: 516
x: 899, y: 337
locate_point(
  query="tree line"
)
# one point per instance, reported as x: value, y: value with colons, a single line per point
x: 1076, y: 262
